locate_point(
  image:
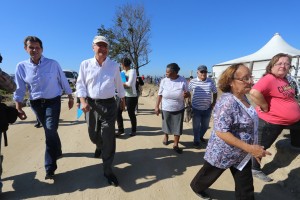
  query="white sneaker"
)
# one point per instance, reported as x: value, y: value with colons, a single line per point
x: 260, y: 175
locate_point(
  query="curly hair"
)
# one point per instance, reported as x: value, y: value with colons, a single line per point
x: 227, y: 76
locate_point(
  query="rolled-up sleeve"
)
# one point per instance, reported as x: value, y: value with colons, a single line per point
x: 80, y: 84
x: 64, y: 82
x: 21, y: 85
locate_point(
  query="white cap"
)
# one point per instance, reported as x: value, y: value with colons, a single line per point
x: 100, y: 38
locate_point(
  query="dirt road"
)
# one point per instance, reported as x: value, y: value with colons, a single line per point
x: 146, y: 169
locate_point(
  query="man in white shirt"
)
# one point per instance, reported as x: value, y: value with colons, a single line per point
x: 98, y: 79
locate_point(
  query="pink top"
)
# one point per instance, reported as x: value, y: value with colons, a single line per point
x: 280, y: 96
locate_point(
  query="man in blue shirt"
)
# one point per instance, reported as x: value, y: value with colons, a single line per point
x: 45, y: 82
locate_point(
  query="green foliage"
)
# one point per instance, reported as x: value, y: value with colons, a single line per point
x: 129, y: 35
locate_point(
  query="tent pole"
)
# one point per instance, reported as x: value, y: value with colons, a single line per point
x: 297, y: 68
x: 251, y: 66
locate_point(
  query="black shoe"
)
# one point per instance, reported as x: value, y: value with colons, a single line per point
x: 119, y: 133
x: 37, y: 125
x: 177, y: 149
x: 203, y: 140
x: 112, y: 180
x: 97, y: 153
x: 49, y: 175
x: 132, y: 134
x: 196, y: 145
x: 203, y: 195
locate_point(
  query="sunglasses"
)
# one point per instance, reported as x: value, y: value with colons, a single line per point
x: 203, y: 72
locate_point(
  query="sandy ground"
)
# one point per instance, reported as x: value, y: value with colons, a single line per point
x: 146, y: 169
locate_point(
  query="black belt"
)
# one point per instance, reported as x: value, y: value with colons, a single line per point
x: 109, y: 100
x: 42, y: 100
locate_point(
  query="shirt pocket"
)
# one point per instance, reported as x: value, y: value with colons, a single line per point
x: 47, y: 77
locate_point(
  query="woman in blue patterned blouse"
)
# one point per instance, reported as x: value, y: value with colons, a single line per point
x: 233, y: 139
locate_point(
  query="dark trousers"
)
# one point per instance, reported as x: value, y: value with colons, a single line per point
x: 268, y: 133
x: 243, y: 180
x: 48, y: 112
x: 131, y: 103
x: 101, y: 127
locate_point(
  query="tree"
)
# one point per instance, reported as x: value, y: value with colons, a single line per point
x: 129, y: 35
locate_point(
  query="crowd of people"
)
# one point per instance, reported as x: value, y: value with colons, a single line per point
x: 240, y: 136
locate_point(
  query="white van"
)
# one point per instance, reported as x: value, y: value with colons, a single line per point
x: 71, y: 76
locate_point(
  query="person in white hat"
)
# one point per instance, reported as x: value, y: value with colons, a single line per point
x: 99, y: 78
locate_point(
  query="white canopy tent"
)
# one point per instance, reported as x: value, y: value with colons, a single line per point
x: 258, y: 61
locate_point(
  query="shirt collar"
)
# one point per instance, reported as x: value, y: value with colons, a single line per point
x: 40, y: 61
x: 201, y: 80
x: 96, y: 62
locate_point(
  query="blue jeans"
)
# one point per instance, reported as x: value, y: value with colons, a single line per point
x: 201, y: 120
x: 48, y: 113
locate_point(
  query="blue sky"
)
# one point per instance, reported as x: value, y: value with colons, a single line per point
x: 190, y: 32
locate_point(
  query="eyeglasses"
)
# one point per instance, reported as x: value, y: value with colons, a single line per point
x: 284, y: 64
x: 203, y: 72
x: 101, y: 45
x: 245, y: 79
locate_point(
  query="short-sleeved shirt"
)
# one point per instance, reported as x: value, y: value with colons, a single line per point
x: 280, y: 96
x: 202, y: 93
x: 230, y: 116
x: 172, y: 93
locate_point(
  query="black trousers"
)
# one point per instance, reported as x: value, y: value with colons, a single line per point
x: 268, y: 133
x: 101, y: 121
x: 131, y: 103
x: 243, y: 180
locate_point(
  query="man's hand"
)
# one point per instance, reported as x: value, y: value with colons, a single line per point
x: 71, y: 103
x: 22, y: 114
x: 85, y: 107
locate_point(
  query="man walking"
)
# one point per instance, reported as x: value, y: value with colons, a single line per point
x: 99, y: 78
x: 46, y: 82
x: 203, y: 88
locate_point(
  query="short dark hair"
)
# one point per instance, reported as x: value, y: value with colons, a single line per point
x: 33, y: 39
x: 173, y: 67
x: 126, y: 62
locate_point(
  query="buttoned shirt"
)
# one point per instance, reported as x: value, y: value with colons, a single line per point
x: 232, y: 116
x: 99, y: 82
x: 44, y: 80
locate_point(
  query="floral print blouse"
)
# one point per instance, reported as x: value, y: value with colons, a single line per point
x: 230, y: 115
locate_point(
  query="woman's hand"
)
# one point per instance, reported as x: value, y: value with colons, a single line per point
x: 157, y: 110
x: 186, y: 94
x: 258, y: 152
